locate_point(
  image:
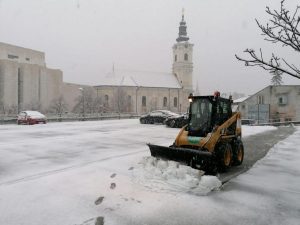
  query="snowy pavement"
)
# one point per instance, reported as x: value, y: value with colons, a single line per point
x: 93, y: 172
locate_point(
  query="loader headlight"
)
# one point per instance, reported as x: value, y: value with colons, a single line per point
x: 190, y: 97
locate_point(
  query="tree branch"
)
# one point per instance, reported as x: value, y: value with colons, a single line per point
x: 272, y: 66
x: 283, y: 28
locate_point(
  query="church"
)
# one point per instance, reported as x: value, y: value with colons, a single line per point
x: 141, y: 92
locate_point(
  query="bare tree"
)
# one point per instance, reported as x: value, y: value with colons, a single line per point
x: 98, y: 105
x: 84, y: 103
x: 59, y: 106
x: 120, y: 100
x: 13, y: 110
x: 277, y: 78
x: 282, y: 29
x: 2, y: 110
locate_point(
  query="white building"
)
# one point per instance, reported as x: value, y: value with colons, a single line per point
x: 141, y: 92
x: 272, y: 104
x: 25, y: 81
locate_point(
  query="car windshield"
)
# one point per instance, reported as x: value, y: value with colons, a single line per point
x: 200, y: 118
x: 34, y: 113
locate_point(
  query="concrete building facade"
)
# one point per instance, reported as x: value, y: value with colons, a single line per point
x: 25, y: 81
x: 272, y: 104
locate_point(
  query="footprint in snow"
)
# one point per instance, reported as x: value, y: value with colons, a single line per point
x: 99, y: 200
x: 113, y: 185
x: 113, y: 175
x: 131, y: 168
x: 99, y: 220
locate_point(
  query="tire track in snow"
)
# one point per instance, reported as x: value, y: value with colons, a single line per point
x: 256, y: 147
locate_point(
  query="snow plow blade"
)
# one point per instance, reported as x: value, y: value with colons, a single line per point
x: 184, y: 155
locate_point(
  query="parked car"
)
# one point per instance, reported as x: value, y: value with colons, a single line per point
x: 177, y: 121
x: 31, y: 117
x: 157, y: 116
x: 247, y: 122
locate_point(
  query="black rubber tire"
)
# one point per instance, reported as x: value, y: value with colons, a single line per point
x: 224, y: 156
x: 238, y: 153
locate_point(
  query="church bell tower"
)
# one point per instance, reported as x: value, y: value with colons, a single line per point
x: 183, y: 58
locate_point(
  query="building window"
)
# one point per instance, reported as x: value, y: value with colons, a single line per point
x: 12, y: 56
x: 243, y: 106
x: 27, y: 59
x: 144, y: 101
x: 175, y: 102
x: 186, y: 57
x: 282, y: 100
x: 165, y: 102
x: 175, y: 58
x: 106, y: 100
x: 260, y: 99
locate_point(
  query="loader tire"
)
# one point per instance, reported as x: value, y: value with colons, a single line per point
x: 224, y: 156
x: 238, y: 153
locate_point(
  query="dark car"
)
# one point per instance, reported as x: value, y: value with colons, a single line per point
x: 249, y: 122
x: 177, y: 121
x: 31, y: 117
x: 158, y: 116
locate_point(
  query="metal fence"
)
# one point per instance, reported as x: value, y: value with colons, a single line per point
x: 74, y: 117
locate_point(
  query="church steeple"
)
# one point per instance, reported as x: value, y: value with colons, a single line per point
x: 182, y: 35
x: 183, y: 59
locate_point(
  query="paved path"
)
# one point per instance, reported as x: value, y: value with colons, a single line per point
x: 256, y: 147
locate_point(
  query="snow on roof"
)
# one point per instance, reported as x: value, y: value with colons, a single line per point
x: 140, y: 79
x: 241, y: 99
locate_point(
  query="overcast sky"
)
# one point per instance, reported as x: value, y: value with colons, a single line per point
x: 84, y: 38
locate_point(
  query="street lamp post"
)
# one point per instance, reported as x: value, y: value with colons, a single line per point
x: 82, y: 95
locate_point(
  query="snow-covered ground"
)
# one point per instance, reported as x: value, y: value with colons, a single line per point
x: 83, y: 172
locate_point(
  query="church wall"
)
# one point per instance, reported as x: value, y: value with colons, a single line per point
x: 154, y: 98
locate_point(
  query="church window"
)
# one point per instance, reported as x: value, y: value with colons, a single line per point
x: 144, y: 101
x: 106, y: 100
x: 175, y: 102
x: 165, y: 102
x: 186, y: 57
x: 175, y: 58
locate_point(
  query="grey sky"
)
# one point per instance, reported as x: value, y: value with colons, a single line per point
x: 84, y: 38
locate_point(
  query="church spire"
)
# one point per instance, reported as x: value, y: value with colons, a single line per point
x: 182, y: 35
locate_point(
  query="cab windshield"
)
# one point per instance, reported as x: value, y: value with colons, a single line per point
x: 200, y: 117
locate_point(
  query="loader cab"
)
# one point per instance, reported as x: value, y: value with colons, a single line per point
x: 206, y: 112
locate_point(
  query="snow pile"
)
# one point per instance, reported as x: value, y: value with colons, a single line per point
x: 160, y: 175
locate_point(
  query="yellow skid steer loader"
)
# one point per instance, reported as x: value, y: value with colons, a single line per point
x: 211, y: 140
